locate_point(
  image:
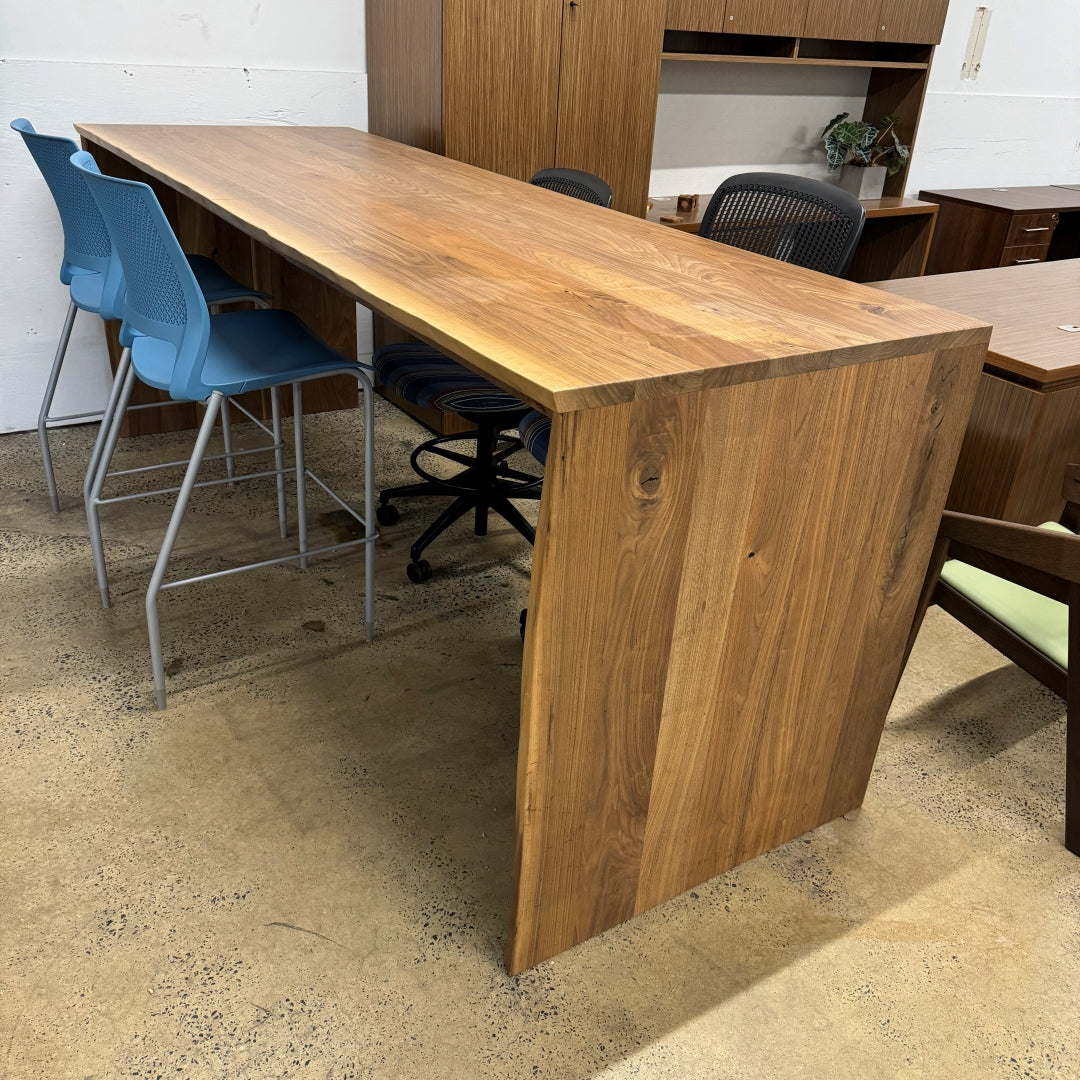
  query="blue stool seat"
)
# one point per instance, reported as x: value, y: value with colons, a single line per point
x: 535, y: 434
x: 246, y: 350
x: 424, y: 376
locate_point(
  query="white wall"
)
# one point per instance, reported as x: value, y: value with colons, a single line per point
x: 140, y: 61
x: 1017, y: 123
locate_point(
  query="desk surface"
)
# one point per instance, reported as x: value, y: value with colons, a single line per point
x: 703, y: 676
x: 1026, y: 305
x: 565, y: 303
x: 1045, y: 199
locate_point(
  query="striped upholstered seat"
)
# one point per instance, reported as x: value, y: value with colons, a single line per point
x: 424, y: 376
x: 535, y: 434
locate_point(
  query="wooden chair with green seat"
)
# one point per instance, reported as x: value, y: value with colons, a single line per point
x: 1018, y: 588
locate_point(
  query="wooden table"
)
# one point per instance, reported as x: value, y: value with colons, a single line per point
x: 1025, y: 427
x: 747, y: 467
x: 894, y: 244
x: 980, y: 228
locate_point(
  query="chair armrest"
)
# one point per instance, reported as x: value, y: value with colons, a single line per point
x: 1036, y: 558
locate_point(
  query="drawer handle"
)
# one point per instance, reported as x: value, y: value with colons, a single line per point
x: 1041, y: 228
x: 1018, y: 261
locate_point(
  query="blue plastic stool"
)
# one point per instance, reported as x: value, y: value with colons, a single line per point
x: 95, y: 281
x: 178, y: 346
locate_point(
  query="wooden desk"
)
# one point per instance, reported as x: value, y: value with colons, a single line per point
x: 979, y: 228
x: 894, y: 243
x: 1025, y: 427
x: 748, y: 463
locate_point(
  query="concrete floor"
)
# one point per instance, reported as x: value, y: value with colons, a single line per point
x: 302, y: 868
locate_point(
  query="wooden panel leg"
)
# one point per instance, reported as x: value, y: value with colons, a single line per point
x: 1072, y: 730
x: 723, y: 586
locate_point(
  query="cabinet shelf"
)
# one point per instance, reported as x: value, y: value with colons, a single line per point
x: 798, y: 61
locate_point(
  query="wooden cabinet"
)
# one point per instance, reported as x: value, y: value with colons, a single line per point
x: 983, y: 227
x: 853, y: 20
x: 916, y: 21
x: 519, y: 85
x: 912, y: 20
x: 779, y: 17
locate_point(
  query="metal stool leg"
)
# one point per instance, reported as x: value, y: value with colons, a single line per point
x: 279, y: 460
x: 106, y: 422
x: 109, y: 448
x: 301, y: 478
x: 46, y: 405
x: 153, y: 626
x: 226, y: 436
x: 369, y: 505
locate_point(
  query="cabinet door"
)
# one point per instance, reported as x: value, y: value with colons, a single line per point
x: 608, y: 86
x: 912, y: 20
x: 783, y: 18
x: 704, y: 15
x: 850, y: 20
x: 500, y: 89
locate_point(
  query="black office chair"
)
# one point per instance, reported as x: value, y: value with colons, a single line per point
x: 575, y: 183
x: 791, y: 218
x: 425, y: 377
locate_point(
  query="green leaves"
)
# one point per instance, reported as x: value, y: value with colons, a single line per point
x: 859, y: 142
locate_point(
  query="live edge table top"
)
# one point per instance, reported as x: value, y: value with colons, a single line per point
x: 568, y: 304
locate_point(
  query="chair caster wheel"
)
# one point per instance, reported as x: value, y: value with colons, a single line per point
x: 418, y: 571
x: 523, y: 617
x: 386, y: 514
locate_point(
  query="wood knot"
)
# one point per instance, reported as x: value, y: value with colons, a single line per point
x: 648, y: 478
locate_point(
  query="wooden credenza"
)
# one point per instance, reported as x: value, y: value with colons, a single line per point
x: 979, y: 228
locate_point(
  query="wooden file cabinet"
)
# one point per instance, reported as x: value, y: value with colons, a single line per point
x: 980, y: 228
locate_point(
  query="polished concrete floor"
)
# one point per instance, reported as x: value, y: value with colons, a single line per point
x: 302, y: 867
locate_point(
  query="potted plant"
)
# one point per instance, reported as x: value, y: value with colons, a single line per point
x: 862, y: 154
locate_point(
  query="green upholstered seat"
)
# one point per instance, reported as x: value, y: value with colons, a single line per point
x: 1041, y: 622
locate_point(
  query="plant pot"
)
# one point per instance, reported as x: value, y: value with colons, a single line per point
x: 863, y: 181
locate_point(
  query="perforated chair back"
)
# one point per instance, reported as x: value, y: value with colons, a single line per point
x: 791, y: 218
x: 575, y: 183
x: 87, y: 246
x: 164, y: 300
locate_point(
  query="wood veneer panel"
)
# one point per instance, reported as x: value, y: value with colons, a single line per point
x: 912, y: 20
x: 892, y: 247
x: 707, y: 16
x: 851, y: 20
x: 502, y: 83
x: 1054, y: 442
x: 782, y: 17
x: 608, y: 83
x: 1001, y: 424
x: 752, y: 556
x: 405, y: 35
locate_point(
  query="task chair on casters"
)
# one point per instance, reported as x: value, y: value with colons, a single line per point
x: 793, y: 219
x: 1018, y: 588
x: 425, y: 377
x: 178, y: 346
x: 95, y: 281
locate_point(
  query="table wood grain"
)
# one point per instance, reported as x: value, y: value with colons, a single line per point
x: 747, y: 466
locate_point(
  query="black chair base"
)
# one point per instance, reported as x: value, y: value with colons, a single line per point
x: 485, y: 484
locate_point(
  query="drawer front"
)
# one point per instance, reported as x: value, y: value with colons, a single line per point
x: 1023, y: 253
x: 1030, y: 229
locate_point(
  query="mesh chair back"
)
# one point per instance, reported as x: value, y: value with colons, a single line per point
x: 86, y: 240
x: 575, y: 183
x: 791, y: 218
x: 164, y: 301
